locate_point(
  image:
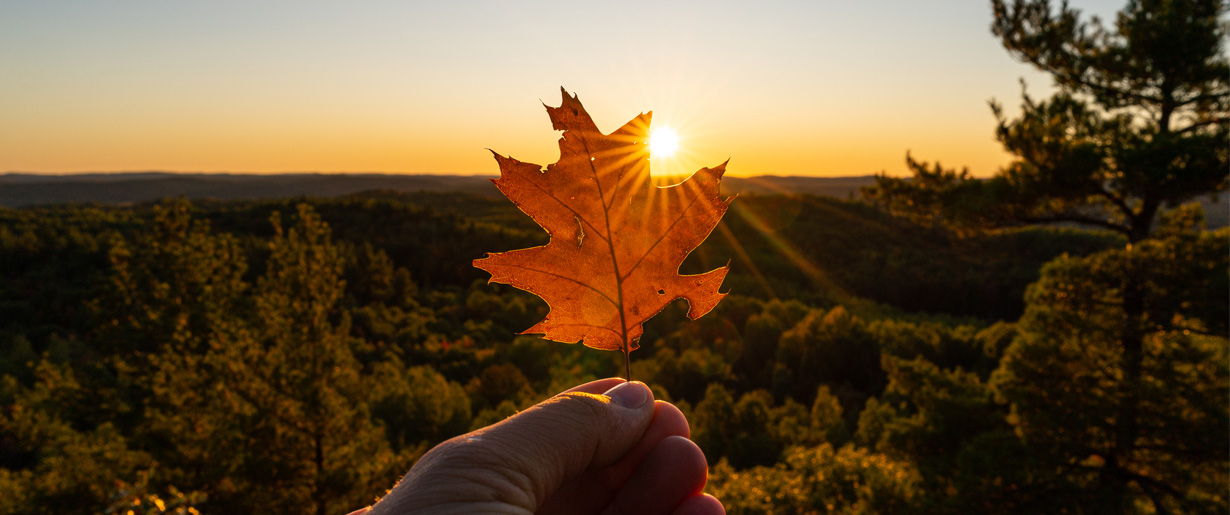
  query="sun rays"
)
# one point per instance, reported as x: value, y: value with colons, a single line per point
x: 666, y: 153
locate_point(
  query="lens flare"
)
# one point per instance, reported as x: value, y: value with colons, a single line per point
x: 663, y: 142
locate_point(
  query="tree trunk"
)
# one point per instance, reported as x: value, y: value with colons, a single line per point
x: 1127, y: 427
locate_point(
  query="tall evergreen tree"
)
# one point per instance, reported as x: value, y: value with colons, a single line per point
x: 175, y: 289
x: 311, y: 445
x: 1140, y: 122
x: 248, y: 394
x: 1071, y: 401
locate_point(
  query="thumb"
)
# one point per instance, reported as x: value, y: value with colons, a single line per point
x: 523, y: 459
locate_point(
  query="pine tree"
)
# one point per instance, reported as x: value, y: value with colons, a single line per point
x: 1140, y: 122
x: 312, y: 446
x: 1063, y: 375
x: 175, y: 288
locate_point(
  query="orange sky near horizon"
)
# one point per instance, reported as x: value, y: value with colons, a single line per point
x: 780, y: 88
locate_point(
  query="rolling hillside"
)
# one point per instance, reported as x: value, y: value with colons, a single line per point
x: 19, y: 189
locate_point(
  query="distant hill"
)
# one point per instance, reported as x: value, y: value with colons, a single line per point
x: 24, y: 189
x: 19, y: 189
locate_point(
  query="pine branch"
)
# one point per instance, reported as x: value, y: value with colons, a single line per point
x: 1118, y: 201
x: 1203, y: 123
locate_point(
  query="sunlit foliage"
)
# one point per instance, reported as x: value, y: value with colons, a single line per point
x: 221, y: 352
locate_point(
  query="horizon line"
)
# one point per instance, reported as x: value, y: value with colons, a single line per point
x: 436, y: 174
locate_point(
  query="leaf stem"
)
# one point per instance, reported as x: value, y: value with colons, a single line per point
x: 627, y: 362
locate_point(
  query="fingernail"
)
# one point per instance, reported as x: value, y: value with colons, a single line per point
x: 629, y: 394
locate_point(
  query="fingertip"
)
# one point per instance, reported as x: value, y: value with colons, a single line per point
x: 703, y: 504
x: 672, y: 473
x: 632, y: 394
x: 687, y: 462
x: 668, y: 420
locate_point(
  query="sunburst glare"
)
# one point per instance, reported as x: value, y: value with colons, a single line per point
x: 663, y: 142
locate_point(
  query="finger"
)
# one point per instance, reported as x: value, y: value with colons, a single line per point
x: 667, y: 421
x: 674, y: 471
x: 593, y: 491
x: 703, y: 504
x: 521, y: 460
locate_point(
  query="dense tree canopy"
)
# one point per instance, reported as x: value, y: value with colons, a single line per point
x: 1170, y: 447
x: 227, y: 358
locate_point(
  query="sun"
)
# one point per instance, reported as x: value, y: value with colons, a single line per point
x: 663, y: 142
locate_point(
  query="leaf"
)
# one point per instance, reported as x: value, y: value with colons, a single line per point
x: 617, y: 240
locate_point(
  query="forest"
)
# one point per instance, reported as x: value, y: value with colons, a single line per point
x: 1050, y: 339
x: 206, y: 354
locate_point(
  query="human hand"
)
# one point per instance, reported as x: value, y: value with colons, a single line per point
x: 605, y: 447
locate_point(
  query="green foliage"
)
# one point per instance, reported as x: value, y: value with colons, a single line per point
x: 872, y: 422
x: 818, y: 480
x: 685, y: 375
x: 51, y: 261
x: 137, y: 498
x: 831, y: 348
x: 825, y: 252
x: 241, y: 392
x: 827, y: 420
x: 213, y: 357
x: 52, y: 466
x: 1109, y: 371
x: 170, y: 285
x: 417, y: 406
x: 761, y: 334
x: 299, y: 395
x: 1066, y: 376
x: 942, y: 418
x: 754, y: 430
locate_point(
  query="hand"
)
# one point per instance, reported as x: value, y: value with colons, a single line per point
x: 605, y: 447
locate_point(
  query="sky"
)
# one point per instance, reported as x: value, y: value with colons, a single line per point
x: 813, y: 88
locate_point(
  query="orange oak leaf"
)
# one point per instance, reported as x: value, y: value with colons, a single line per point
x: 616, y: 239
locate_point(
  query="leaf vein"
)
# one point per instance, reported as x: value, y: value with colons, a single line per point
x: 569, y: 208
x: 564, y: 277
x: 682, y: 214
